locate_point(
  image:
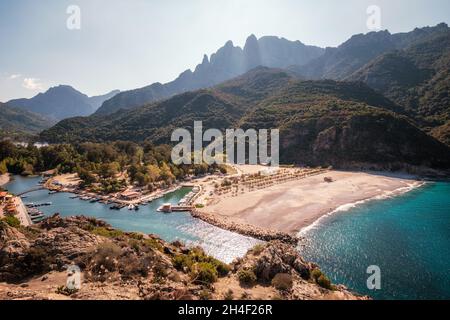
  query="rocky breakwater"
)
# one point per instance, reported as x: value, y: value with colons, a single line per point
x: 120, y: 265
x: 280, y: 265
x: 244, y: 228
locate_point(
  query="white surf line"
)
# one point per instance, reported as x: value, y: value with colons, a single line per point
x: 348, y: 206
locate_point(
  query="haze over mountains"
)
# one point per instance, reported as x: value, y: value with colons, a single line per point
x: 378, y: 99
x: 17, y: 123
x: 228, y: 62
x: 321, y: 122
x: 61, y: 102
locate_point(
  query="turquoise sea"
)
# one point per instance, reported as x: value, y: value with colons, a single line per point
x: 407, y: 236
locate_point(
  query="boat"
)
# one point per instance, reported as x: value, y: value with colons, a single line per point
x: 131, y: 207
x: 166, y: 208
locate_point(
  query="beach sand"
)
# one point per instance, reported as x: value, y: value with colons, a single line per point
x: 4, y: 179
x: 291, y: 206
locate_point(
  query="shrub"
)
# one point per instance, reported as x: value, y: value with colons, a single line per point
x: 324, y: 282
x: 315, y: 274
x: 105, y: 257
x: 160, y: 271
x: 205, y: 295
x: 104, y: 232
x: 246, y: 277
x: 282, y: 281
x: 35, y: 261
x: 135, y: 245
x: 12, y: 221
x: 131, y: 265
x: 258, y: 249
x: 153, y: 243
x: 182, y: 262
x: 66, y: 291
x: 222, y: 268
x: 204, y: 273
x: 229, y: 295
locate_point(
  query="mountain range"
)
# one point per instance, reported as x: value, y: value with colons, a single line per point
x: 323, y: 122
x: 17, y: 123
x: 61, y: 102
x: 378, y: 99
x: 228, y: 62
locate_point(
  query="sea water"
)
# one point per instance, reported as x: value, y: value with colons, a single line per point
x: 406, y: 236
x: 222, y: 244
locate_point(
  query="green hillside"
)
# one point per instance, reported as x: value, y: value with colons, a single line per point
x: 322, y: 122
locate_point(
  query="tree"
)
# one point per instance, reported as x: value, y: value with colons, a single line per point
x: 154, y: 173
x: 166, y: 174
x: 87, y: 177
x: 108, y: 170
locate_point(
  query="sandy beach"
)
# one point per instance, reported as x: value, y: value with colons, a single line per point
x: 291, y: 206
x: 4, y: 179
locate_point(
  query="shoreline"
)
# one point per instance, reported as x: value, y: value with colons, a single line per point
x: 351, y: 205
x: 245, y: 229
x: 289, y: 208
x: 4, y: 179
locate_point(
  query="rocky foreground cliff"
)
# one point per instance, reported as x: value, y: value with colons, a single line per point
x: 34, y: 264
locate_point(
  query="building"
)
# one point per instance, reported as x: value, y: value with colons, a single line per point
x: 130, y: 195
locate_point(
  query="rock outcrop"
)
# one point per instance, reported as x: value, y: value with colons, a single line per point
x: 34, y: 264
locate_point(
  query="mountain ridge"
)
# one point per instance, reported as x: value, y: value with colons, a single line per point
x: 321, y: 122
x: 228, y: 62
x: 60, y: 102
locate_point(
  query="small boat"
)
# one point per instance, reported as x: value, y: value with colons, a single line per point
x: 131, y: 207
x: 74, y: 197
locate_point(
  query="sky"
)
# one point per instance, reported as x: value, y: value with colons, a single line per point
x: 127, y: 44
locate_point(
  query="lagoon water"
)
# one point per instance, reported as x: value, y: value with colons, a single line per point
x: 217, y: 242
x: 407, y: 236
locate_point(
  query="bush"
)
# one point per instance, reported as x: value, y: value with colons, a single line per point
x: 35, y: 261
x: 282, y: 281
x: 105, y: 257
x: 102, y: 231
x: 199, y: 206
x: 315, y: 274
x: 324, y: 282
x: 205, y: 295
x: 258, y: 249
x: 66, y: 291
x: 204, y: 273
x: 229, y: 295
x: 182, y: 262
x: 153, y: 243
x: 12, y: 221
x: 246, y: 277
x: 222, y: 268
x: 189, y: 262
x: 131, y: 265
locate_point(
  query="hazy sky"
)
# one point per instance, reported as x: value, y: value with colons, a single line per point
x: 126, y: 44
